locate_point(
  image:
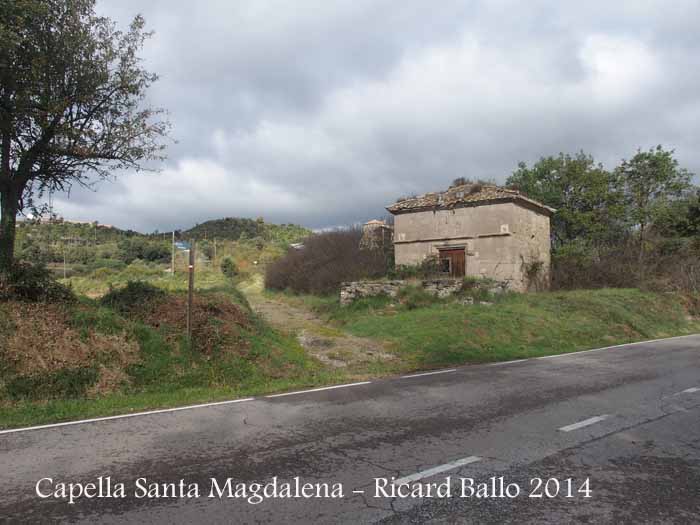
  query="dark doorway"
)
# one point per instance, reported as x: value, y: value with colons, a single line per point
x: 452, y: 262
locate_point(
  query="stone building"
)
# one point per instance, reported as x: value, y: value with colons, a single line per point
x: 376, y: 234
x: 476, y: 230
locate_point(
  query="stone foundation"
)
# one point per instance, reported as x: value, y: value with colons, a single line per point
x: 359, y: 289
x: 351, y: 291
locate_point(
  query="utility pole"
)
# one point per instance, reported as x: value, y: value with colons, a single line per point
x: 172, y: 256
x: 190, y: 292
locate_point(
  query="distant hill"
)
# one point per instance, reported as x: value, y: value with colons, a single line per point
x: 234, y: 229
x: 229, y: 228
x: 64, y: 229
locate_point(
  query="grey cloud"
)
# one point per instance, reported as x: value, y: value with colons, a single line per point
x: 325, y: 114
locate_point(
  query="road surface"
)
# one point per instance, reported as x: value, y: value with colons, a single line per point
x: 627, y: 419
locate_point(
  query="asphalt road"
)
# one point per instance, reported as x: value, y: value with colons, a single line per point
x: 627, y: 419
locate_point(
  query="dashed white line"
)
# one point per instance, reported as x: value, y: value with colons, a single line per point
x: 319, y: 389
x: 584, y: 423
x: 436, y: 470
x: 508, y: 362
x: 429, y: 373
x: 124, y: 416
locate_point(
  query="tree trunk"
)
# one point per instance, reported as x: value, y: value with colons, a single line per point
x: 642, y: 249
x: 9, y: 203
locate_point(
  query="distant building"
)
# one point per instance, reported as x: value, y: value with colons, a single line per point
x: 476, y: 230
x: 376, y: 234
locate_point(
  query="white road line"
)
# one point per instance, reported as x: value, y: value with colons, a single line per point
x: 565, y: 354
x: 508, y: 362
x: 204, y: 405
x: 319, y: 389
x: 436, y: 470
x: 429, y: 373
x: 584, y: 423
x: 124, y: 416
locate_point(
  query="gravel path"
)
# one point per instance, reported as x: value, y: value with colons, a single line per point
x: 329, y: 345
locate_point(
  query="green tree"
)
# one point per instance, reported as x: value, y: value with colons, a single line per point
x: 584, y: 194
x: 681, y: 217
x: 228, y: 268
x: 72, y: 108
x: 651, y: 181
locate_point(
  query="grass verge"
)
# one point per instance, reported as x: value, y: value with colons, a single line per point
x: 517, y: 326
x: 256, y: 359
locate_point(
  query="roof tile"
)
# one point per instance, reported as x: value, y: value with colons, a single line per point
x: 466, y: 194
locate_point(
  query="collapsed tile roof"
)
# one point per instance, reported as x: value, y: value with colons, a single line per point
x: 465, y: 195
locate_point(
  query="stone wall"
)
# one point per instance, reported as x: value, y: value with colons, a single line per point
x: 350, y: 291
x: 442, y: 287
x: 356, y: 290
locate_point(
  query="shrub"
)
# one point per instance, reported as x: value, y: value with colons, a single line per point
x: 131, y: 249
x: 69, y: 383
x: 671, y: 265
x: 112, y: 264
x: 478, y: 288
x: 136, y: 294
x: 33, y: 283
x: 326, y: 260
x: 102, y: 274
x: 228, y: 268
x: 429, y: 267
x: 412, y: 297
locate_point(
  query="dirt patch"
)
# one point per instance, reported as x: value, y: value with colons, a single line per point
x: 329, y: 345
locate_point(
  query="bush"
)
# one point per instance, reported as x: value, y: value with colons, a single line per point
x: 135, y: 295
x: 429, y: 267
x: 71, y: 383
x: 228, y: 268
x: 479, y: 288
x: 668, y: 265
x: 138, y: 248
x: 33, y: 283
x: 112, y: 264
x: 412, y: 297
x: 326, y: 260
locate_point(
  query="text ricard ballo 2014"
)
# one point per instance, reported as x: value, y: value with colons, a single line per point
x: 105, y: 487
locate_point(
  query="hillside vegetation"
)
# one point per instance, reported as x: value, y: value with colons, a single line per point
x: 234, y: 229
x: 92, y: 245
x: 128, y: 351
x: 427, y: 332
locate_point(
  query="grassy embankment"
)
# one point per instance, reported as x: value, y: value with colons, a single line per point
x: 85, y: 360
x: 64, y: 362
x: 447, y: 333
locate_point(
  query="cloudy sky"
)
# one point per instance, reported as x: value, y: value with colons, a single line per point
x: 321, y: 112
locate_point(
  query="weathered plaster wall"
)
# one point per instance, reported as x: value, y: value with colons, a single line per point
x: 499, y: 239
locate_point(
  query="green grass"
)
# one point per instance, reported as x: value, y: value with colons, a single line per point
x: 28, y: 413
x: 446, y: 333
x: 169, y: 372
x: 517, y: 326
x: 168, y: 375
x: 523, y: 326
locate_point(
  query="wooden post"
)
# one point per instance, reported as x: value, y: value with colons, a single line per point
x: 172, y: 256
x: 190, y: 292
